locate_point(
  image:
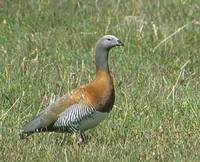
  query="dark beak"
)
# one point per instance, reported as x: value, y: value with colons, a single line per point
x: 120, y: 43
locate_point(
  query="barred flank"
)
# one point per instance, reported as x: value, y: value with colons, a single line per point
x: 71, y: 118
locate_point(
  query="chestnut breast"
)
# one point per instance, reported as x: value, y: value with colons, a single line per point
x: 100, y: 93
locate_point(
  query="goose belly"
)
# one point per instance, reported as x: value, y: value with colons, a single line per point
x: 92, y: 121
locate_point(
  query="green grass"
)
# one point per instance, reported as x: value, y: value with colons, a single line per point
x: 46, y: 48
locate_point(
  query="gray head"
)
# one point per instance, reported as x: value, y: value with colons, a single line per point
x: 109, y: 41
x: 103, y: 46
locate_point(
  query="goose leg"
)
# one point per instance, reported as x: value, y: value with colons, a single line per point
x: 64, y: 139
x: 81, y: 139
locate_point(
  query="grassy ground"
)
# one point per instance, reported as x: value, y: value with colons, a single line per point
x: 46, y: 48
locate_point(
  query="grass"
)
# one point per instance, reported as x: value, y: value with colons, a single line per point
x: 46, y: 48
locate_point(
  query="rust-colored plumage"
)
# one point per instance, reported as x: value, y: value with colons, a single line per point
x: 100, y: 92
x: 87, y: 105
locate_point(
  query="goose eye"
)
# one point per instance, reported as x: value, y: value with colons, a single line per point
x: 109, y: 39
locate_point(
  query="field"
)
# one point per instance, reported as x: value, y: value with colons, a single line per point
x: 47, y: 48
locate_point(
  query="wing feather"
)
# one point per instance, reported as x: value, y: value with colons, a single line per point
x: 49, y: 115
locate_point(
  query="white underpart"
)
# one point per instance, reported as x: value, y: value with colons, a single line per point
x: 93, y: 121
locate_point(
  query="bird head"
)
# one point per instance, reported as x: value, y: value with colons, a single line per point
x: 109, y: 41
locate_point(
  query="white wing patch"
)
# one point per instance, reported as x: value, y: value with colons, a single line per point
x: 93, y: 120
